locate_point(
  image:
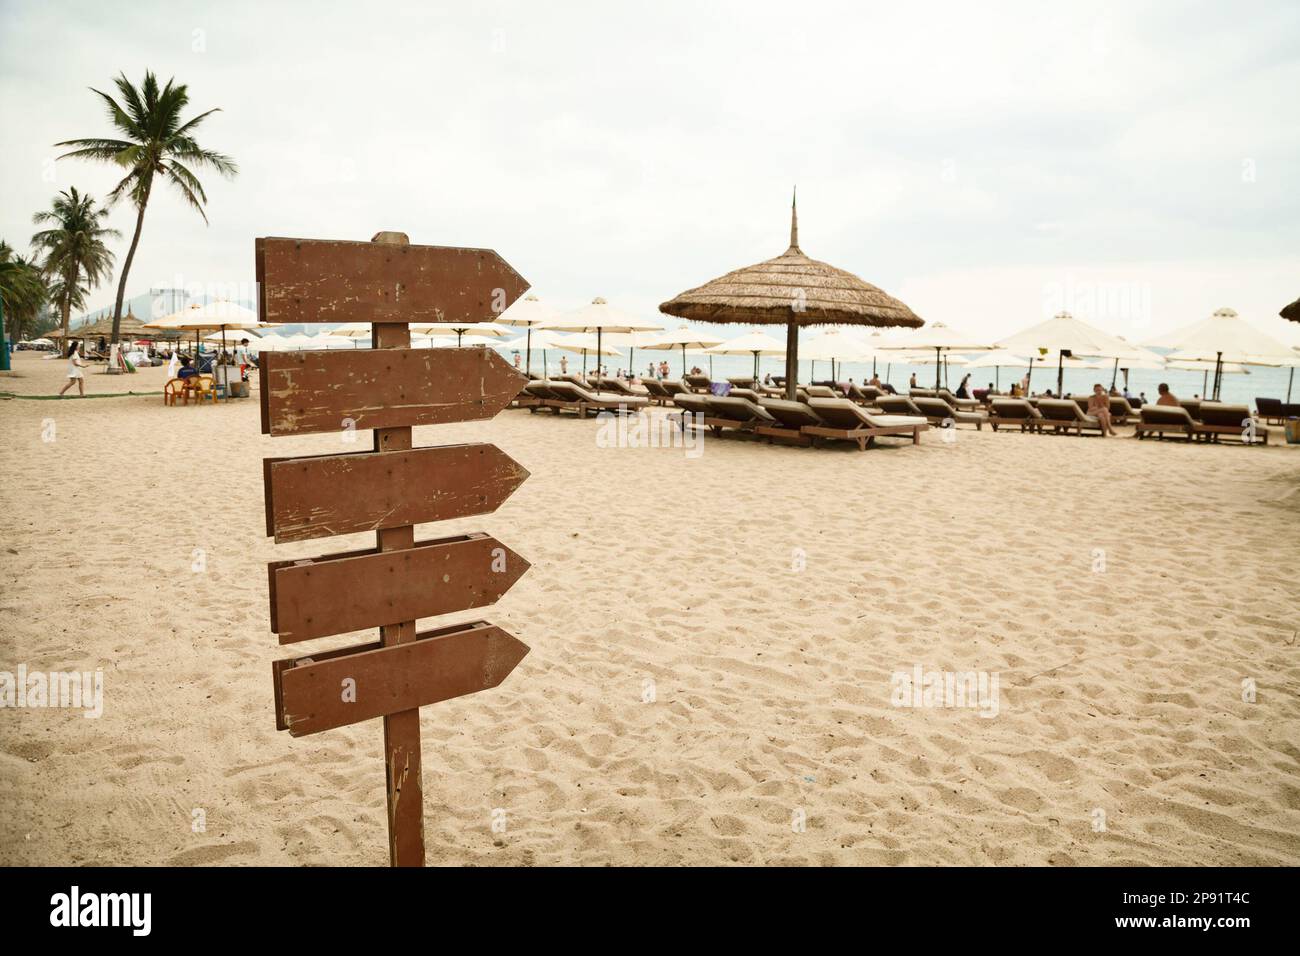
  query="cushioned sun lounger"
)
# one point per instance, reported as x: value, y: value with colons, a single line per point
x: 617, y: 385
x: 790, y: 418
x: 737, y: 413
x: 821, y: 391
x: 697, y: 383
x: 961, y: 404
x: 1158, y: 419
x: 1271, y: 409
x: 1015, y: 411
x: 656, y: 392
x: 846, y: 421
x: 1064, y: 415
x: 570, y: 397
x: 1229, y: 421
x: 936, y: 410
x: 742, y: 381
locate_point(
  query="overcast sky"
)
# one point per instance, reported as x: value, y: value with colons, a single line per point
x: 987, y: 163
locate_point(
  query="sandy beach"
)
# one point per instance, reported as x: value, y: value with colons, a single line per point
x: 713, y: 643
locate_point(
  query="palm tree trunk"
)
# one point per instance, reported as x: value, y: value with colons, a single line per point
x: 69, y: 283
x: 126, y: 268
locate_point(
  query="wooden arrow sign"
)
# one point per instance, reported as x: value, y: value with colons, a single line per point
x: 343, y: 687
x: 328, y: 280
x: 367, y: 491
x: 319, y: 391
x: 347, y: 592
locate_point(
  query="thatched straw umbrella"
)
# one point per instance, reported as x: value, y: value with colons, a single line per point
x: 794, y: 291
x: 1291, y: 311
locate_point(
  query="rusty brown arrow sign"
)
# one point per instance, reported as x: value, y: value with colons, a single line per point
x: 320, y: 391
x: 328, y: 280
x: 342, y: 687
x: 367, y: 491
x: 358, y: 589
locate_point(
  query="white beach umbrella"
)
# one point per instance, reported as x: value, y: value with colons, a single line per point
x: 755, y: 344
x: 1064, y: 336
x: 460, y: 329
x: 938, y: 338
x: 269, y: 343
x: 683, y: 337
x: 1225, y: 337
x: 529, y: 313
x: 599, y: 317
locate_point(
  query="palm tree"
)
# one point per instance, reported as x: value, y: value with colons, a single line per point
x: 74, y: 249
x: 157, y: 143
x: 22, y: 294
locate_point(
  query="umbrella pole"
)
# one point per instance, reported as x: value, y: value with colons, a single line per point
x: 528, y: 353
x: 1060, y: 374
x: 1205, y: 382
x: 1289, y: 382
x: 598, y: 330
x: 684, y: 363
x: 1114, y: 374
x: 938, y: 360
x: 710, y: 364
x: 792, y: 361
x: 1029, y: 378
x: 1218, y: 374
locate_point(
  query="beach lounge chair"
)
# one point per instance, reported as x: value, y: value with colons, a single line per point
x: 844, y: 420
x: 697, y: 383
x: 743, y: 381
x: 692, y: 404
x: 820, y: 391
x: 739, y: 414
x: 937, y: 409
x: 746, y: 393
x: 1272, y: 410
x: 1158, y: 419
x: 865, y: 394
x: 656, y: 393
x: 616, y: 385
x: 1015, y: 411
x: 574, y: 398
x: 1065, y: 415
x: 791, y: 417
x: 961, y: 404
x: 1221, y: 420
x: 1193, y: 406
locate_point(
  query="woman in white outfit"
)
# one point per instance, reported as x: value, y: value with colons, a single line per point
x: 75, y: 365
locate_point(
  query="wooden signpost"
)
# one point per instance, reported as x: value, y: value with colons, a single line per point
x: 388, y: 490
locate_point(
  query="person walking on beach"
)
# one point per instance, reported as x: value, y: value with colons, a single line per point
x: 564, y: 365
x: 75, y: 365
x: 1166, y: 397
x: 964, y: 389
x: 1099, y: 407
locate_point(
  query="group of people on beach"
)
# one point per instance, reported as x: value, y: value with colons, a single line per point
x: 179, y: 365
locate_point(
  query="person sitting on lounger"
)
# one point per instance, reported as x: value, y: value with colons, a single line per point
x: 911, y: 383
x: 1166, y: 397
x: 875, y: 382
x: 1099, y: 407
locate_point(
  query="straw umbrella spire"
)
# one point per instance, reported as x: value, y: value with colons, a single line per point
x: 794, y: 222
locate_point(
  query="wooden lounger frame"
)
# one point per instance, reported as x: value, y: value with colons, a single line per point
x: 864, y: 436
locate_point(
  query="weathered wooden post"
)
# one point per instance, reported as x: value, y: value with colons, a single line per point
x: 389, y: 388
